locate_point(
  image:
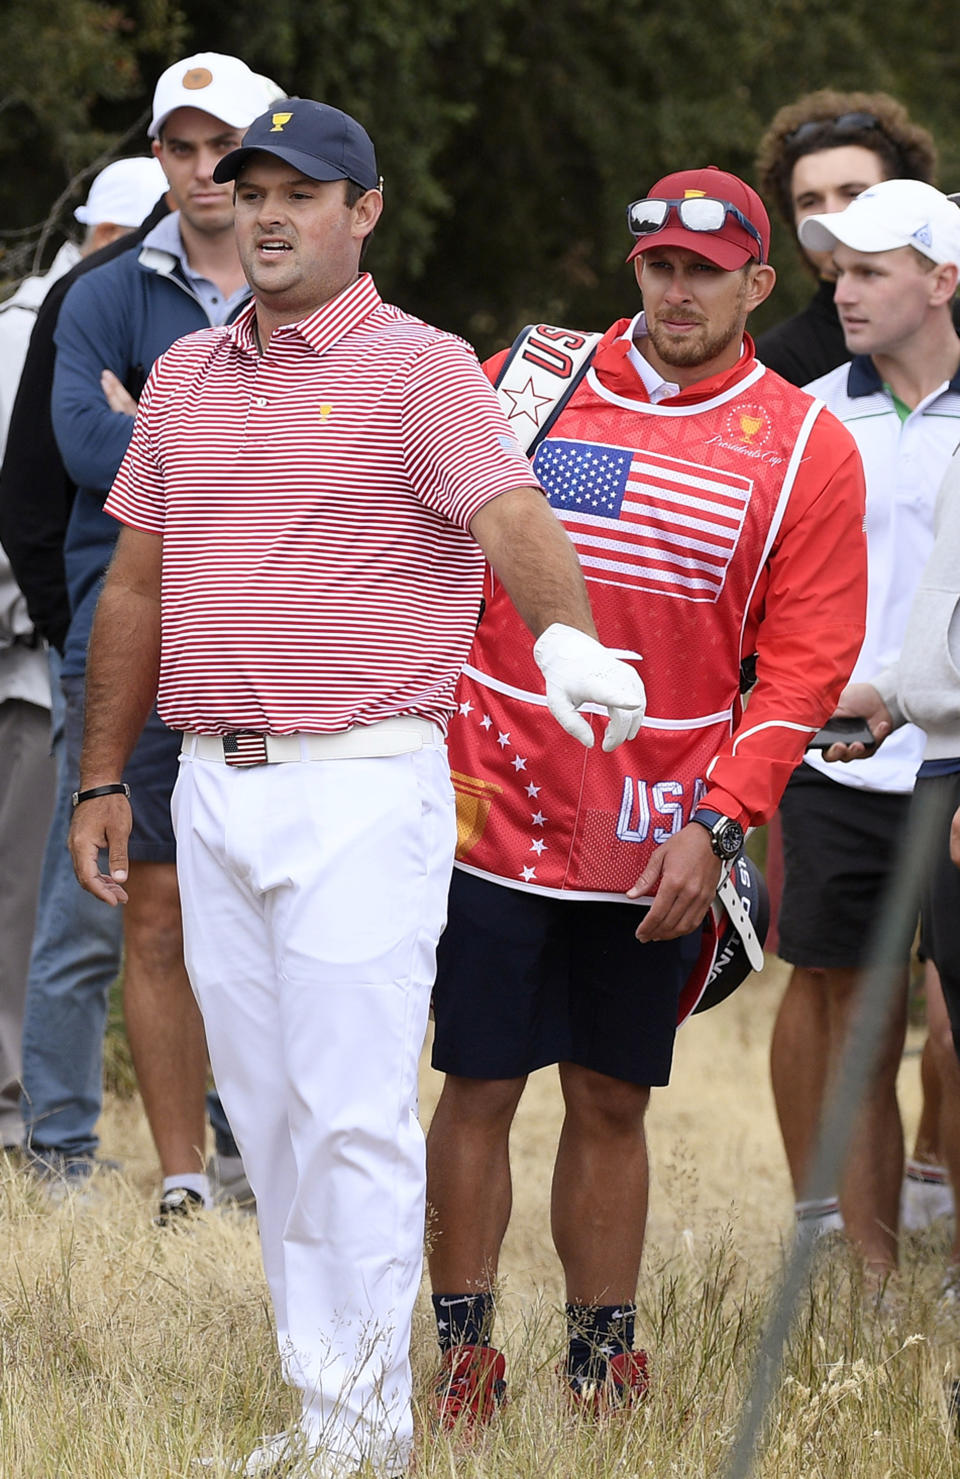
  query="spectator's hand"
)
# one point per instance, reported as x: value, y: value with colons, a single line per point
x: 579, y: 670
x: 103, y: 822
x: 683, y: 874
x: 118, y: 397
x: 861, y: 701
x: 955, y: 839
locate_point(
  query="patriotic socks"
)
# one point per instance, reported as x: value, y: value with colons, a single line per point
x: 595, y: 1333
x: 464, y: 1319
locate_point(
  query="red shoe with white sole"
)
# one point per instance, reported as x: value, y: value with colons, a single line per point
x: 627, y: 1382
x: 470, y: 1388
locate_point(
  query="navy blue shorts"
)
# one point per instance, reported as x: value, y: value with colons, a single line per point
x: 151, y: 774
x: 524, y: 980
x: 840, y: 845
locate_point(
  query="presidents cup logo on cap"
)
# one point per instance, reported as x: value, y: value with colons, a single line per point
x: 321, y: 142
x: 924, y: 236
x: 197, y: 77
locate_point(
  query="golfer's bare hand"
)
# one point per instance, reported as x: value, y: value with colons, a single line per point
x: 683, y: 874
x: 118, y: 396
x: 104, y: 822
x: 860, y: 701
x: 955, y: 839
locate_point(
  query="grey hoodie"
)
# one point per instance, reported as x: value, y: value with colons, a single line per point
x: 923, y: 686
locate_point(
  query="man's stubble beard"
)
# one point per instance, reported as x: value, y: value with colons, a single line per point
x: 686, y: 353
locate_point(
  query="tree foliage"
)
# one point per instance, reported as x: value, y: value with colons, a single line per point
x: 511, y: 134
x: 72, y: 94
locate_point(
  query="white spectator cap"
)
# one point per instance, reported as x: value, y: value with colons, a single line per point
x: 895, y: 213
x: 223, y: 86
x: 124, y: 193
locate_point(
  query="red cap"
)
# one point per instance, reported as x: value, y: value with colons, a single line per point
x: 730, y: 247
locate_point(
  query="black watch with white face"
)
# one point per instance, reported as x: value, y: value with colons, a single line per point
x: 726, y: 835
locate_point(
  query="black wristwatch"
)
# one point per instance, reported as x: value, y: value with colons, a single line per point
x: 726, y: 835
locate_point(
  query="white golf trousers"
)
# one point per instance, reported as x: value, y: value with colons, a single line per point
x: 313, y: 896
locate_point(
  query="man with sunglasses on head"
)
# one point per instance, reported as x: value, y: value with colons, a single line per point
x: 717, y: 512
x: 818, y: 154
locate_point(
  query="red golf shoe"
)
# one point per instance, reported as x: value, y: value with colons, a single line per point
x: 470, y: 1387
x: 627, y: 1382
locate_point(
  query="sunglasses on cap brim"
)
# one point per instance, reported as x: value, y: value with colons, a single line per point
x: 694, y: 212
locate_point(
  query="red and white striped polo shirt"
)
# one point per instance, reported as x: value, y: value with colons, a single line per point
x: 314, y: 506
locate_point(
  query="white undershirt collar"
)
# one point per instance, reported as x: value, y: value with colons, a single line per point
x: 654, y: 384
x: 656, y: 387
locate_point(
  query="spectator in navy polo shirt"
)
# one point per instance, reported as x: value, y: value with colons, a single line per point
x: 114, y: 323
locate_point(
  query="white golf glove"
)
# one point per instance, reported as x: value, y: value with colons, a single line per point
x: 578, y: 670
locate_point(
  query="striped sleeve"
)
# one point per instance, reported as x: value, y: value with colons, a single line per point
x: 458, y: 448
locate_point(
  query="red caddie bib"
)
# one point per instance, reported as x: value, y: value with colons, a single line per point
x: 673, y: 511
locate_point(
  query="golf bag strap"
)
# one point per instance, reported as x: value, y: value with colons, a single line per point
x: 739, y: 912
x: 543, y: 369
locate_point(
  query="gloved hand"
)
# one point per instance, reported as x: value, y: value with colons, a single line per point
x: 578, y: 670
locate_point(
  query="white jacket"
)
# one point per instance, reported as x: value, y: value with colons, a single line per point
x: 23, y: 669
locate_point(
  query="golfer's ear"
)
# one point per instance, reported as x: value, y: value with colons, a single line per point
x: 366, y: 212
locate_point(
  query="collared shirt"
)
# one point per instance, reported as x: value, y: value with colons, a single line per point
x: 904, y: 462
x: 314, y: 504
x: 166, y: 237
x: 656, y: 387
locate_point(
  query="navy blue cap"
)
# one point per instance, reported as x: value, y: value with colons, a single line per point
x: 319, y: 141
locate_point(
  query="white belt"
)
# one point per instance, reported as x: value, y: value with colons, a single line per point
x: 397, y: 736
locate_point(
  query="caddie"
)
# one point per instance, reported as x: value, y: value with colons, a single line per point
x: 717, y: 512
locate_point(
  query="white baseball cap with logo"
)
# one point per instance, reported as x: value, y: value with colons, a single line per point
x: 124, y: 193
x: 223, y: 86
x: 895, y: 213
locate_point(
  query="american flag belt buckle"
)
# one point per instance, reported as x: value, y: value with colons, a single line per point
x: 245, y: 747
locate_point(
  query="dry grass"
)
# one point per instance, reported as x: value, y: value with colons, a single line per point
x: 128, y: 1352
